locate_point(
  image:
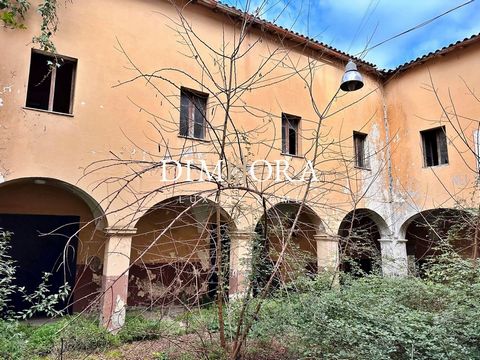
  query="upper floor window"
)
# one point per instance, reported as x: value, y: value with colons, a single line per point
x: 193, y: 107
x: 51, y: 82
x: 434, y: 146
x: 360, y: 147
x: 290, y: 138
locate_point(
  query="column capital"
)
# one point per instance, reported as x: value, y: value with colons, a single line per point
x: 325, y: 237
x: 242, y: 234
x: 385, y: 240
x: 119, y: 231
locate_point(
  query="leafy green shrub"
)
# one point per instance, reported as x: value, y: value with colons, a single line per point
x: 42, y: 339
x: 137, y: 327
x: 12, y: 340
x: 83, y: 333
x: 204, y: 319
x: 41, y: 300
x: 376, y: 318
x: 76, y: 333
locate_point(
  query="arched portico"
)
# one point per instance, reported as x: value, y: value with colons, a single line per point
x: 56, y: 229
x: 360, y: 233
x: 287, y: 231
x: 430, y: 231
x: 174, y: 253
x: 169, y: 257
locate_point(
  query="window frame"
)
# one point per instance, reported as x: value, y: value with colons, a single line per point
x: 366, y: 151
x: 191, y: 95
x: 439, y: 153
x: 285, y: 148
x: 51, y: 97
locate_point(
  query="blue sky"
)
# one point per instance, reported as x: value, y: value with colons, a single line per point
x: 349, y: 24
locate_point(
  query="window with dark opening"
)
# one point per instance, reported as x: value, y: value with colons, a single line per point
x: 290, y: 127
x: 361, y: 150
x: 50, y: 86
x: 193, y: 107
x: 434, y: 146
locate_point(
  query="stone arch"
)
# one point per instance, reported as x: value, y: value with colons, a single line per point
x: 426, y: 230
x: 359, y: 245
x: 272, y: 231
x: 61, y: 227
x: 173, y: 256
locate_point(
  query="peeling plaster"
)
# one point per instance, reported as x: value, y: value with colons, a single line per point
x: 118, y: 316
x: 204, y: 259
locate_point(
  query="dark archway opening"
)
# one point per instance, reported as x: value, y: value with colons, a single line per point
x: 360, y: 252
x: 272, y: 235
x: 38, y: 246
x: 431, y: 232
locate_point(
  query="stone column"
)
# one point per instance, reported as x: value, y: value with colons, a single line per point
x: 394, y: 257
x: 240, y: 261
x: 115, y: 277
x: 327, y: 252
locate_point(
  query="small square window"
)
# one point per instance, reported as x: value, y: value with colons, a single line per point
x: 51, y: 87
x: 434, y: 147
x: 360, y: 147
x: 193, y: 107
x: 290, y: 129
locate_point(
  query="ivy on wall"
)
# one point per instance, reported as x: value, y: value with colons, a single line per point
x: 13, y: 12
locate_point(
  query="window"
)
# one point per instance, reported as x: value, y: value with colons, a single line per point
x: 434, y: 146
x: 290, y: 127
x: 360, y: 148
x: 50, y: 87
x: 193, y: 107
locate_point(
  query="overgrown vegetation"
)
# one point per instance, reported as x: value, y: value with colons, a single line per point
x: 40, y: 301
x: 376, y: 318
x: 368, y: 318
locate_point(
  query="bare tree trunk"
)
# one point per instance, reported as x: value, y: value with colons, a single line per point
x: 220, y: 289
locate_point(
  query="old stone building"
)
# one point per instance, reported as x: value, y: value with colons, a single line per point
x: 87, y: 197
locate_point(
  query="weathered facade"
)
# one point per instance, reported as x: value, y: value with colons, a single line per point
x: 390, y: 155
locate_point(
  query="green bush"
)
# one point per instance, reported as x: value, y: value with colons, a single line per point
x: 199, y: 320
x: 137, y: 327
x: 12, y: 340
x: 376, y: 318
x: 42, y: 339
x: 76, y: 334
x: 83, y: 333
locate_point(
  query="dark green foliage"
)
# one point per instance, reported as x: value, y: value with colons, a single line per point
x: 12, y: 340
x: 74, y: 334
x: 376, y: 318
x: 139, y: 328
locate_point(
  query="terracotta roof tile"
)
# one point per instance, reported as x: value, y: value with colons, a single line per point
x: 330, y: 50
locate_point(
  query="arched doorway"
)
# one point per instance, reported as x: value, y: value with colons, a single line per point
x: 360, y: 252
x: 272, y: 239
x: 430, y: 232
x: 53, y: 226
x: 174, y: 254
